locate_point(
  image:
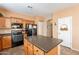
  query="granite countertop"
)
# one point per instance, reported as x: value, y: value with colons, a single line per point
x: 44, y: 43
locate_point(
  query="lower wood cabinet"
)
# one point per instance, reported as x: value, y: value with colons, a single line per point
x: 0, y: 45
x: 38, y: 51
x: 54, y: 51
x: 28, y: 48
x: 25, y: 47
x: 6, y: 42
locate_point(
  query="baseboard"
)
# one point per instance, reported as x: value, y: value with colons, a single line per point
x: 75, y: 49
x: 72, y: 48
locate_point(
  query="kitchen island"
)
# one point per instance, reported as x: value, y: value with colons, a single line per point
x: 41, y: 45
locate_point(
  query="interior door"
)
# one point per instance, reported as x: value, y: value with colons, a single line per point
x: 40, y: 28
x: 49, y: 30
x: 65, y: 31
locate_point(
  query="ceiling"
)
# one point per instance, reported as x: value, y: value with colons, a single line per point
x: 37, y: 9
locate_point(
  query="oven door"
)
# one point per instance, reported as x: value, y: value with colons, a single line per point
x: 17, y: 38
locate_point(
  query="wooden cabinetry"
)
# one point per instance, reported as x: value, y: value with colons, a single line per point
x: 31, y: 49
x: 25, y: 46
x: 14, y: 20
x: 38, y: 51
x: 2, y: 22
x: 0, y: 44
x: 6, y: 42
x: 54, y: 51
x: 5, y: 23
x: 28, y: 48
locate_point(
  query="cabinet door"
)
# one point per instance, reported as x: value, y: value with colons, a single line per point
x: 30, y: 49
x: 2, y: 22
x: 16, y: 20
x: 19, y: 21
x: 6, y: 42
x: 0, y: 45
x: 8, y: 23
x: 25, y: 46
x: 37, y: 51
x: 54, y: 51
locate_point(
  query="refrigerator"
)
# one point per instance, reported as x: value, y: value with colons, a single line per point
x: 31, y: 29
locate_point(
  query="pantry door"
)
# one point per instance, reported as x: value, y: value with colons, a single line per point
x: 65, y: 31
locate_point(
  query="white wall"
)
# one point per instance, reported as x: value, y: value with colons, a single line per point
x: 42, y: 28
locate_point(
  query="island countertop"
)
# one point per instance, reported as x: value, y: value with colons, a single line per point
x: 44, y: 43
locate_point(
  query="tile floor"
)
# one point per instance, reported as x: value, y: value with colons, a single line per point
x: 20, y: 51
x: 67, y: 51
x: 13, y: 51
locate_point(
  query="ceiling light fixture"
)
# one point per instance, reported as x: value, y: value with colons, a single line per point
x: 29, y: 6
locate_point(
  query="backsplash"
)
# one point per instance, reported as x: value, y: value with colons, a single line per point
x: 5, y: 31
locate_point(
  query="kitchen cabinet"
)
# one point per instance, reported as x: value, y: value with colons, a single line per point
x: 38, y: 51
x: 5, y: 23
x: 25, y: 47
x: 2, y: 22
x: 6, y: 42
x: 27, y: 22
x: 28, y: 48
x: 8, y: 23
x: 0, y: 44
x: 54, y: 51
x: 15, y: 20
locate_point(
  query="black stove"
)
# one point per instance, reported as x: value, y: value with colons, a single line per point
x: 16, y: 33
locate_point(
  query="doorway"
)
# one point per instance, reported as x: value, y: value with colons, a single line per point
x: 65, y: 31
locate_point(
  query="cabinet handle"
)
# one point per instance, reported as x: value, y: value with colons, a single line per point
x: 36, y: 50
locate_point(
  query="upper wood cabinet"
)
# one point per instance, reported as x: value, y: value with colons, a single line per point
x: 25, y: 46
x: 2, y: 22
x: 5, y: 23
x: 14, y: 20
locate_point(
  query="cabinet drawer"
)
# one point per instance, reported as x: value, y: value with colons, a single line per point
x: 37, y: 51
x: 30, y: 50
x: 25, y: 42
